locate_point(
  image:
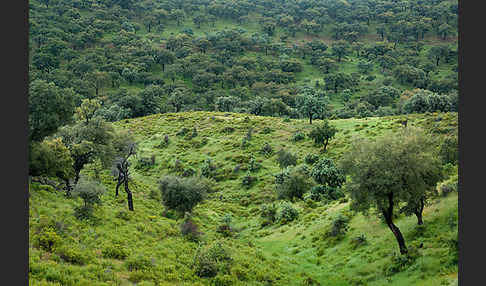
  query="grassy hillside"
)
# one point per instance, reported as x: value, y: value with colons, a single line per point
x: 146, y: 247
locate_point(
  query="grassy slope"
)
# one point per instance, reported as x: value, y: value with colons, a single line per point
x: 279, y: 255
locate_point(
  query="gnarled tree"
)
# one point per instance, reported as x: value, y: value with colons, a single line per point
x: 396, y: 168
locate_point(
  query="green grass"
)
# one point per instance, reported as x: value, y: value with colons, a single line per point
x: 275, y: 254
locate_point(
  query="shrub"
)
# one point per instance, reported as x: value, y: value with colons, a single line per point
x: 115, y: 251
x: 208, y: 168
x: 165, y: 142
x: 89, y: 191
x: 292, y: 183
x: 253, y: 165
x: 138, y: 262
x: 400, y: 262
x: 266, y: 150
x: 286, y: 119
x: 190, y: 230
x: 182, y: 194
x: 47, y: 239
x: 339, y: 226
x: 183, y: 131
x: 188, y: 172
x: 311, y: 158
x: 358, y: 241
x: 321, y: 134
x: 320, y: 192
x: 225, y: 227
x: 298, y: 136
x: 269, y: 212
x: 228, y: 130
x: 266, y: 130
x: 194, y: 132
x: 286, y: 159
x: 124, y: 215
x: 448, y: 150
x: 223, y: 280
x: 287, y: 213
x: 72, y: 255
x: 145, y: 163
x: 244, y: 142
x: 248, y: 180
x: 210, y: 259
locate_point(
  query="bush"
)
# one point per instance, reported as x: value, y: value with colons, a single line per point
x: 183, y: 131
x: 253, y: 165
x: 164, y: 143
x: 190, y: 230
x: 448, y: 150
x: 89, y: 191
x: 47, y: 239
x: 225, y: 227
x: 266, y: 150
x: 266, y: 130
x: 115, y: 251
x: 183, y: 194
x: 248, y: 180
x: 210, y: 259
x: 124, y: 215
x: 145, y: 163
x: 228, y: 130
x: 286, y: 159
x: 358, y: 241
x: 139, y: 262
x: 73, y: 256
x: 310, y: 159
x: 320, y: 192
x: 188, y: 172
x: 269, y: 212
x: 287, y: 213
x: 207, y: 169
x: 339, y: 226
x: 400, y: 262
x: 298, y: 136
x: 292, y: 183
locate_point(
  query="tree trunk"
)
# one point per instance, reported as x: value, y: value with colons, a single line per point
x: 120, y: 181
x: 418, y: 212
x: 388, y: 215
x: 398, y: 236
x: 129, y: 196
x: 310, y: 118
x: 325, y: 145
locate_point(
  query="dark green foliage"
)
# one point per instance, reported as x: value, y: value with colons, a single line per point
x: 90, y: 191
x: 49, y: 108
x: 396, y: 168
x: 320, y: 192
x: 339, y: 226
x: 139, y: 262
x: 359, y: 240
x: 298, y: 136
x: 286, y: 159
x: 326, y: 173
x: 448, y: 150
x: 190, y: 230
x: 427, y: 101
x: 286, y: 213
x: 183, y: 131
x: 182, y: 194
x: 268, y: 212
x: 310, y: 158
x: 225, y: 227
x: 248, y: 180
x: 292, y: 182
x: 321, y: 134
x: 208, y: 168
x: 266, y: 150
x: 210, y: 259
x: 144, y: 163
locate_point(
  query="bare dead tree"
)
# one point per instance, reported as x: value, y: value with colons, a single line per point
x: 123, y: 175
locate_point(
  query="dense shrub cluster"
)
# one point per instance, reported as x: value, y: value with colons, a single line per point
x: 211, y: 259
x: 182, y: 194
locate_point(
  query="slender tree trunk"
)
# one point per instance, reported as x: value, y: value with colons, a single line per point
x: 398, y: 236
x: 418, y: 212
x: 325, y: 145
x: 388, y: 215
x: 120, y: 181
x: 310, y: 118
x: 129, y: 196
